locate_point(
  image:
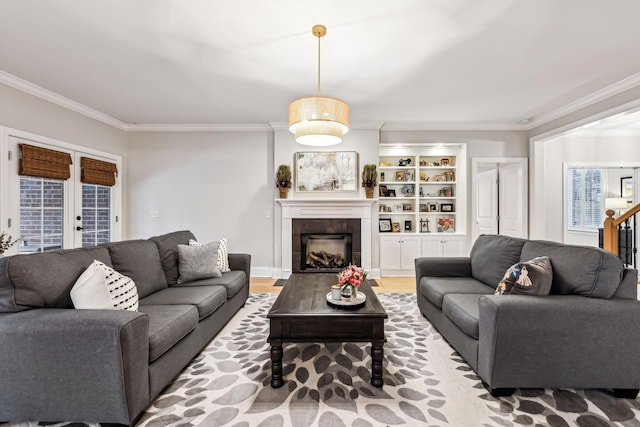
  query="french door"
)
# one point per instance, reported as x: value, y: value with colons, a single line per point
x: 63, y: 213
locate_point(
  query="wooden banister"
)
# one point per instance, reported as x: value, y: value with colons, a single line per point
x: 610, y: 228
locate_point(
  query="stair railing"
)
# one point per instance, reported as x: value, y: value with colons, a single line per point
x: 614, y: 228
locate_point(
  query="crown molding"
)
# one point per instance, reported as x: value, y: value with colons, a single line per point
x: 602, y: 133
x: 451, y: 126
x: 204, y: 127
x: 597, y: 96
x: 47, y: 95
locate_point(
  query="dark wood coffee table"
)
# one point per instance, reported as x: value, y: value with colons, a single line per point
x: 301, y: 314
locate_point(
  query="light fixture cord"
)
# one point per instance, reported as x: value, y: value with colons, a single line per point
x: 318, y: 65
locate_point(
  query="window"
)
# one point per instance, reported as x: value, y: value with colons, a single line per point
x: 584, y: 199
x: 41, y: 214
x: 96, y: 214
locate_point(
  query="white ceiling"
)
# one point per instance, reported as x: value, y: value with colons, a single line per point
x: 495, y: 62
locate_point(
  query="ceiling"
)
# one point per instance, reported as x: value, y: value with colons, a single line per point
x: 492, y: 62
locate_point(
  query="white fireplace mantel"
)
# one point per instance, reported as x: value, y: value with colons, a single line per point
x: 325, y: 208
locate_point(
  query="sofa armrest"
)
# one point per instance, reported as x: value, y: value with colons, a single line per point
x: 558, y: 341
x: 65, y: 364
x: 442, y: 267
x: 241, y: 262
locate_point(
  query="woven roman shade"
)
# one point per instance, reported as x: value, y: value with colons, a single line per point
x: 98, y: 172
x: 44, y: 163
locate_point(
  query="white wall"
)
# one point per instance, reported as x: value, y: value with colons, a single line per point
x: 549, y: 155
x: 216, y: 184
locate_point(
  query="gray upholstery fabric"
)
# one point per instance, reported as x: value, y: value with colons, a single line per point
x: 492, y: 255
x: 435, y: 288
x: 168, y: 324
x: 139, y: 260
x: 198, y: 262
x: 233, y: 281
x: 629, y: 285
x: 578, y: 270
x: 61, y: 364
x: 207, y: 299
x: 168, y: 249
x: 44, y: 280
x: 462, y: 309
x: 241, y: 262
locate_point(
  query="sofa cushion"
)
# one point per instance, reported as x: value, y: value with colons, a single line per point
x: 491, y: 255
x: 527, y: 278
x: 435, y: 288
x: 44, y: 280
x: 168, y: 324
x: 206, y: 299
x: 462, y: 309
x: 140, y: 260
x: 101, y: 287
x: 223, y: 254
x: 168, y: 249
x: 578, y: 270
x: 198, y: 261
x: 233, y: 281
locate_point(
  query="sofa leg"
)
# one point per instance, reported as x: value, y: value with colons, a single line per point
x: 501, y: 392
x: 625, y: 393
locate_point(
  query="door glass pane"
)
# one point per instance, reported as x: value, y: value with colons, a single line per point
x: 96, y: 214
x: 41, y: 214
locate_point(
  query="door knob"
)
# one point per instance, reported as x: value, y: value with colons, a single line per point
x: 78, y: 228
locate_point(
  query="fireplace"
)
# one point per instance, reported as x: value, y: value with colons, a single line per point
x: 325, y: 245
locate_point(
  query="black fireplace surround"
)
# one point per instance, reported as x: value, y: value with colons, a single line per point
x: 339, y: 229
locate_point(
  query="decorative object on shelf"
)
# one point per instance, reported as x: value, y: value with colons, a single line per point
x: 404, y: 162
x: 384, y: 225
x: 450, y: 176
x: 381, y: 176
x: 424, y: 177
x: 421, y: 193
x: 398, y: 208
x: 395, y: 227
x: 407, y: 225
x: 6, y: 241
x: 350, y: 279
x: 433, y: 207
x: 407, y: 207
x: 400, y: 176
x: 423, y: 163
x: 439, y: 178
x: 424, y: 225
x: 283, y: 180
x: 408, y: 176
x: 445, y: 224
x: 408, y: 190
x: 432, y: 194
x: 326, y: 171
x: 391, y: 193
x: 446, y: 207
x: 369, y: 179
x: 423, y: 207
x: 383, y: 191
x: 318, y: 120
x: 444, y: 161
x: 385, y: 164
x: 446, y: 192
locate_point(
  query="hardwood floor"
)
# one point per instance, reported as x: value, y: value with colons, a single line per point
x: 385, y: 285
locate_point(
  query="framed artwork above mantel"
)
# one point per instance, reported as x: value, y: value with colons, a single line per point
x: 326, y: 171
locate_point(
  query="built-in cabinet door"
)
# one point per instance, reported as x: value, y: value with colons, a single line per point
x: 452, y: 246
x: 398, y: 252
x: 442, y: 245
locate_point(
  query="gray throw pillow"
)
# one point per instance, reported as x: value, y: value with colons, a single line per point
x: 533, y: 277
x: 198, y: 262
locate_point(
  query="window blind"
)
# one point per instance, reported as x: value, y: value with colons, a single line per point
x: 98, y: 172
x: 44, y: 163
x: 584, y: 198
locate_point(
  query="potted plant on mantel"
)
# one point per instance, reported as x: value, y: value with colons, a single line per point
x: 369, y: 179
x: 283, y: 180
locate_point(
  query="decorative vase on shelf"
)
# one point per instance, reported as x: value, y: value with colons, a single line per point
x: 369, y: 192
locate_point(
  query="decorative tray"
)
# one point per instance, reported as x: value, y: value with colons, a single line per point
x: 361, y: 298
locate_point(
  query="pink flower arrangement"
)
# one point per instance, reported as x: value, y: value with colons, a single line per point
x: 352, y: 275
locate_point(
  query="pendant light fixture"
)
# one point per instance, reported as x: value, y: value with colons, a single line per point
x: 318, y: 120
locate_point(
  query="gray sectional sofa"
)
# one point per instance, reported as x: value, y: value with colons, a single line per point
x: 62, y: 364
x: 585, y: 334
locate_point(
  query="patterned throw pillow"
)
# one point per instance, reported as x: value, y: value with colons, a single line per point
x: 198, y: 261
x: 101, y: 287
x: 223, y: 254
x: 533, y: 277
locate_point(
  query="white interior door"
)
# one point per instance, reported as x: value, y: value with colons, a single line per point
x: 511, y: 200
x: 486, y: 221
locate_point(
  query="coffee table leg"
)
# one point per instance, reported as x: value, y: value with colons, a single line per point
x: 377, y: 354
x: 276, y: 365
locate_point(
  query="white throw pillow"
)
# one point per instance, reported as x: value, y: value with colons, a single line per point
x: 223, y: 254
x: 101, y: 287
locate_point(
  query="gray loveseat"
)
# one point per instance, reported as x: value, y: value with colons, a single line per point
x: 62, y: 364
x: 585, y: 334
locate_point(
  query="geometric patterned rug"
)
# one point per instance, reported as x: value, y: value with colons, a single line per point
x: 426, y: 383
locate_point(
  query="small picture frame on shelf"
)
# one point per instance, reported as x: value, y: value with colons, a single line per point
x: 396, y: 227
x: 384, y: 225
x: 444, y: 161
x: 446, y: 192
x: 381, y: 176
x: 408, y: 176
x: 407, y: 225
x: 433, y: 207
x: 407, y: 207
x: 423, y: 207
x: 382, y: 208
x: 446, y: 207
x: 439, y: 178
x: 391, y: 193
x: 398, y: 208
x: 400, y: 176
x: 449, y: 176
x: 387, y: 208
x: 383, y: 191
